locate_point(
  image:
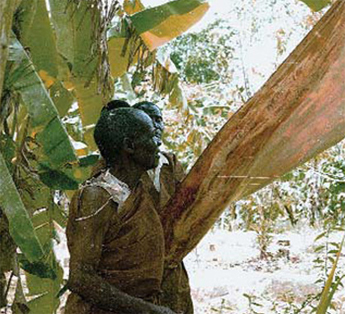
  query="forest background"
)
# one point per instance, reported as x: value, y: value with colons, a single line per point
x: 199, y: 79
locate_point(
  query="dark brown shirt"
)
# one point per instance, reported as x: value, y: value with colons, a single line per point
x: 130, y: 236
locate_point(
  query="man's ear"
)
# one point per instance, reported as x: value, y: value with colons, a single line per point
x: 128, y: 145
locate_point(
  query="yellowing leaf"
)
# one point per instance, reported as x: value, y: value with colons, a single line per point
x: 78, y: 174
x: 46, y: 78
x: 155, y: 26
x: 133, y: 6
x: 55, y: 145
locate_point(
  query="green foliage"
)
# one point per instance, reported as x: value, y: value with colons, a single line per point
x: 206, y: 56
x: 150, y: 18
x: 330, y: 285
x: 20, y: 225
x: 62, y: 58
x: 44, y: 119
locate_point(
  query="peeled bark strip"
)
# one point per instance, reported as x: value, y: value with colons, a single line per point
x: 297, y: 114
x: 7, y: 8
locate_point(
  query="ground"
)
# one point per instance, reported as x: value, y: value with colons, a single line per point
x: 228, y: 277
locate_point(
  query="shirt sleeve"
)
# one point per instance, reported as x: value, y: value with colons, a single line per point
x: 91, y: 211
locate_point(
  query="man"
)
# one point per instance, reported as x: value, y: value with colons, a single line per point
x: 114, y: 233
x: 166, y: 176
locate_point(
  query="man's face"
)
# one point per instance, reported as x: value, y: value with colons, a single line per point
x: 146, y: 147
x: 156, y: 116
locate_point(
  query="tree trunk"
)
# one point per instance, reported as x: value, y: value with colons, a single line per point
x: 298, y: 113
x: 7, y: 8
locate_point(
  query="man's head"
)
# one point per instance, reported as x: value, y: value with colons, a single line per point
x: 127, y: 133
x: 155, y: 114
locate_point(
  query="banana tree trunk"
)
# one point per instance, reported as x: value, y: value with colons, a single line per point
x: 298, y: 113
x: 7, y: 8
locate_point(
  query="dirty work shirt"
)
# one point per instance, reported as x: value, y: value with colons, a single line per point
x: 175, y: 287
x: 132, y: 241
x: 176, y: 293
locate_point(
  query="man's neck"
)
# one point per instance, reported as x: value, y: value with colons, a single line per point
x: 127, y: 172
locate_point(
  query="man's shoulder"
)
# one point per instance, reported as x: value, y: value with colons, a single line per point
x: 117, y: 190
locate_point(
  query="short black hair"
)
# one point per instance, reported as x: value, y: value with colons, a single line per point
x: 113, y: 126
x: 114, y: 104
x: 144, y: 104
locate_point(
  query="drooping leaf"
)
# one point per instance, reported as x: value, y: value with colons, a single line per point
x: 125, y: 48
x: 165, y: 76
x: 41, y: 216
x: 316, y: 5
x: 37, y: 34
x: 20, y: 225
x: 155, y: 27
x: 80, y: 24
x: 61, y: 97
x: 158, y: 25
x: 178, y: 99
x: 63, y: 26
x: 33, y: 192
x: 51, y: 134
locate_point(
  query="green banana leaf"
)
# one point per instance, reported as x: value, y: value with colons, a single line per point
x: 56, y: 147
x: 20, y: 225
x: 37, y: 34
x: 76, y: 26
x: 64, y: 29
x: 70, y: 176
x: 45, y: 289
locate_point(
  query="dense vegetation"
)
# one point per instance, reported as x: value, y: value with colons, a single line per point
x: 67, y: 60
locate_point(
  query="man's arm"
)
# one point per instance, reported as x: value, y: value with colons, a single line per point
x: 88, y: 224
